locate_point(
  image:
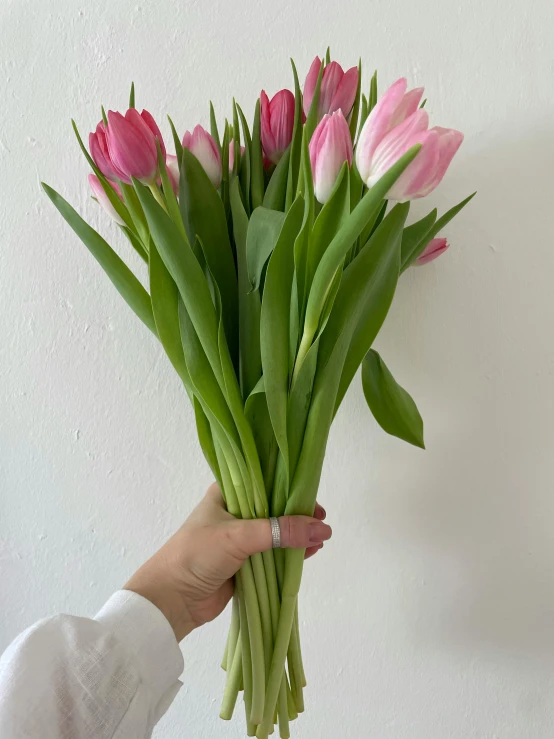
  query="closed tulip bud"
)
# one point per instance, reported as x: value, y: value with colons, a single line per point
x: 337, y: 91
x: 434, y: 249
x: 131, y: 140
x: 394, y: 126
x: 172, y: 167
x: 103, y: 199
x: 329, y: 148
x: 277, y: 122
x: 232, y: 154
x: 98, y: 146
x: 204, y: 148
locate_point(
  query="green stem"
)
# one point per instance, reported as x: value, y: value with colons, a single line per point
x: 233, y: 636
x: 232, y: 686
x: 294, y: 560
x: 256, y: 641
x: 246, y: 657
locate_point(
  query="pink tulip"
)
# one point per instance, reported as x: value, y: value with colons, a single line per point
x: 277, y: 122
x: 204, y: 148
x: 127, y: 146
x: 394, y: 126
x: 232, y: 154
x: 103, y: 199
x: 98, y: 145
x: 337, y: 91
x: 172, y: 167
x: 434, y: 249
x: 329, y: 148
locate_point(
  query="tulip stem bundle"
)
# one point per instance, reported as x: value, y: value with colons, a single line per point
x: 273, y: 256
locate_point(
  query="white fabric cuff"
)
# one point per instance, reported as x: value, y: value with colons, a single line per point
x: 143, y: 629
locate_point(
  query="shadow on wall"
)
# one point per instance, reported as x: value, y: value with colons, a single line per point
x: 482, y: 506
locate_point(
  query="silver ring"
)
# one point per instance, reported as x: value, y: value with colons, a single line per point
x: 275, y: 532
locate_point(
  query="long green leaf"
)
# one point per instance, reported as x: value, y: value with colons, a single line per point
x: 213, y: 126
x: 276, y: 191
x: 204, y: 216
x: 246, y: 159
x: 275, y: 323
x: 392, y: 407
x: 296, y: 142
x: 206, y: 440
x: 256, y: 161
x: 435, y: 229
x: 328, y: 222
x: 121, y: 276
x: 413, y: 235
x: 176, y: 141
x: 376, y: 302
x: 263, y: 231
x: 338, y: 248
x: 249, y: 302
x: 187, y: 274
x: 165, y: 306
x: 353, y: 124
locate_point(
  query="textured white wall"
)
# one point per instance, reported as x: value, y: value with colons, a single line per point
x: 431, y: 615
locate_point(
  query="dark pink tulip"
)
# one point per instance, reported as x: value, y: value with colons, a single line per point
x: 277, y: 122
x: 338, y: 88
x: 394, y: 126
x: 330, y: 147
x: 434, y: 249
x: 103, y: 199
x: 98, y: 146
x: 203, y: 146
x: 131, y: 143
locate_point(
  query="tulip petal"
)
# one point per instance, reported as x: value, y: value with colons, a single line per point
x: 377, y: 125
x: 434, y: 249
x: 396, y: 143
x: 332, y: 76
x: 344, y: 97
x: 450, y: 141
x: 103, y: 200
x: 408, y: 105
x: 131, y: 146
x: 410, y: 182
x: 153, y: 126
x: 310, y: 84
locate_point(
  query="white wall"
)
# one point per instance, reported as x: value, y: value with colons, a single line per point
x: 431, y: 614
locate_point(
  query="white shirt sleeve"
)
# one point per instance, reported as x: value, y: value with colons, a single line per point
x: 111, y: 677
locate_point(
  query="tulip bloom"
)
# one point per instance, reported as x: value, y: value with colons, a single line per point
x: 103, y: 199
x: 98, y: 145
x: 394, y: 126
x: 131, y: 146
x: 277, y: 122
x: 337, y: 91
x: 203, y: 146
x: 329, y: 148
x: 434, y: 249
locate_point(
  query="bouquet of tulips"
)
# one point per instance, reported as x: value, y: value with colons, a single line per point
x: 272, y: 255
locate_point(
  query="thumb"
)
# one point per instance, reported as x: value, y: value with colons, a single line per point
x: 297, y: 532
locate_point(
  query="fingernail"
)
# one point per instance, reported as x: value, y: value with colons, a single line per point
x: 322, y: 512
x: 319, y: 532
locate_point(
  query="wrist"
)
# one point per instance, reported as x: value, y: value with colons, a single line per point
x: 166, y: 598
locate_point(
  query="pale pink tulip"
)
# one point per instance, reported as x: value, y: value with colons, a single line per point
x: 337, y: 91
x: 203, y: 146
x: 232, y: 154
x: 172, y: 167
x: 434, y: 249
x: 277, y: 122
x: 131, y: 140
x: 394, y: 126
x: 329, y: 147
x: 103, y: 199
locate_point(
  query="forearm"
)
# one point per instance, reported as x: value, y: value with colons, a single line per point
x: 78, y: 678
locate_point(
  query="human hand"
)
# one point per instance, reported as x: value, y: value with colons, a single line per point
x: 190, y: 578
